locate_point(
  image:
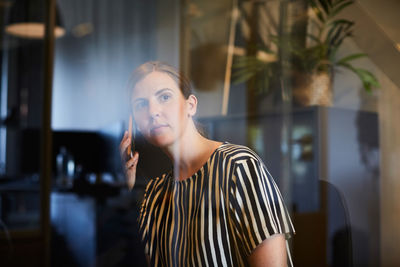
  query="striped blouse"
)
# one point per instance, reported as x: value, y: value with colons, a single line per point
x: 217, y: 217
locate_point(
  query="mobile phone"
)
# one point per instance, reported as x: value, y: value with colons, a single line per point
x: 131, y: 133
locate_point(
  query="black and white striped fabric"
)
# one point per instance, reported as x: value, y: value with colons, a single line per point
x: 217, y: 217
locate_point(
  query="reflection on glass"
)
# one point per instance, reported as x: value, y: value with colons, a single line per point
x: 267, y: 76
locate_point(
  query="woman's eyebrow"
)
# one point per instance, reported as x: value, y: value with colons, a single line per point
x: 162, y: 91
x: 137, y: 100
x: 159, y: 92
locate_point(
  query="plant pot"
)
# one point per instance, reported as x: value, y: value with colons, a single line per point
x: 313, y: 89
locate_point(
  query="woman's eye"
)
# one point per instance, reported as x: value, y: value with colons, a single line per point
x: 140, y: 105
x: 164, y: 97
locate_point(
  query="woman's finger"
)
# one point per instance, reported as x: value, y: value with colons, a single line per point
x: 123, y: 148
x: 131, y: 170
x: 135, y: 156
x: 129, y: 164
x: 132, y: 162
x: 121, y: 144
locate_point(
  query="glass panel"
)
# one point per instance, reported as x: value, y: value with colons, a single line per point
x: 23, y: 208
x: 22, y: 64
x: 288, y: 79
x: 253, y: 65
x: 104, y: 42
x: 304, y: 98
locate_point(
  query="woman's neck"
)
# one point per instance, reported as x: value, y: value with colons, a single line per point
x: 190, y: 153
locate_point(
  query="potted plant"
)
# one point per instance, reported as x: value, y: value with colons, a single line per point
x: 312, y: 64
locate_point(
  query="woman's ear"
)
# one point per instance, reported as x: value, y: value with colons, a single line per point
x: 192, y: 105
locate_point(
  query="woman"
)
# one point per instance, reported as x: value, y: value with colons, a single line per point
x: 219, y: 206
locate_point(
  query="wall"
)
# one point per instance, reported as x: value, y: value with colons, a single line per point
x: 386, y: 102
x: 376, y: 33
x: 389, y: 129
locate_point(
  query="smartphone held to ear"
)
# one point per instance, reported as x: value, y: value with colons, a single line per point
x: 131, y: 148
x: 130, y: 151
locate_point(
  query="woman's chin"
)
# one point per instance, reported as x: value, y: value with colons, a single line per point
x: 160, y: 141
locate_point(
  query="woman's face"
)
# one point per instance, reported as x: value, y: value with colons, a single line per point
x: 160, y: 110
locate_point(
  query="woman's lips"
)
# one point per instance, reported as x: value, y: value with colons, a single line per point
x: 158, y: 129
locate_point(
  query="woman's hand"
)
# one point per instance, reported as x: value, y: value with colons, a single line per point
x: 130, y: 161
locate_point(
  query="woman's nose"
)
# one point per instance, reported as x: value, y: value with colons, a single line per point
x: 154, y: 109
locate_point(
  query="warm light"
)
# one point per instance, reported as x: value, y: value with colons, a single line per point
x: 398, y: 46
x: 32, y: 30
x: 82, y: 30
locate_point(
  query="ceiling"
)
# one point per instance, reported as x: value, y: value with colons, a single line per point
x: 377, y: 33
x: 386, y: 15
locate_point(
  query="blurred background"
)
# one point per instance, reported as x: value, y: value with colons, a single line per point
x: 311, y: 85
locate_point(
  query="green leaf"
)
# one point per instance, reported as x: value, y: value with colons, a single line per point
x: 244, y: 71
x: 245, y: 61
x: 253, y: 65
x: 242, y: 78
x: 367, y: 78
x: 317, y: 10
x: 340, y: 21
x: 339, y: 40
x: 314, y: 38
x: 342, y: 32
x: 332, y: 53
x: 337, y: 25
x: 275, y: 40
x: 351, y: 57
x: 324, y: 6
x: 333, y: 35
